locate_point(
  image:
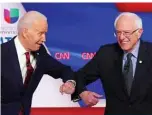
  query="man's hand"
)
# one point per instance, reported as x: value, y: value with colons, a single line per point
x: 68, y: 88
x: 90, y: 98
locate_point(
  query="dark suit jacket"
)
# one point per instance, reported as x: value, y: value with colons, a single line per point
x: 107, y: 65
x: 13, y: 94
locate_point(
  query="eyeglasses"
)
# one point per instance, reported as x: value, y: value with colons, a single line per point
x: 125, y: 33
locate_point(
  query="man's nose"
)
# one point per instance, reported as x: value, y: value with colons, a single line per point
x: 121, y: 36
x: 43, y: 38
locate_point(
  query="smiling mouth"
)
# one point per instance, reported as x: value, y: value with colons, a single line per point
x: 39, y: 43
x: 124, y: 42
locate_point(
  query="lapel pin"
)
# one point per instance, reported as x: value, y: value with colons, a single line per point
x: 140, y: 61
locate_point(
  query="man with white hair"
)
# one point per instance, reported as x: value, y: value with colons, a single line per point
x: 24, y: 60
x: 125, y: 69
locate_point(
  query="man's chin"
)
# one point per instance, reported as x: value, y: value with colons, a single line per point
x: 36, y: 49
x: 126, y: 49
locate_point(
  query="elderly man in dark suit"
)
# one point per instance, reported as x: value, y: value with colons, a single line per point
x: 24, y: 60
x: 125, y: 69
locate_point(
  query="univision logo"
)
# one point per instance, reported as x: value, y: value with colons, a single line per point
x: 12, y: 15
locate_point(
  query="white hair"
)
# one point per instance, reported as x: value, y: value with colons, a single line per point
x: 27, y: 20
x: 137, y: 18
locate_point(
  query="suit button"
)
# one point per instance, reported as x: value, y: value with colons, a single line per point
x: 130, y: 105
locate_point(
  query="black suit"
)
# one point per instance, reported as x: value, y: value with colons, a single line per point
x: 13, y: 93
x: 107, y: 65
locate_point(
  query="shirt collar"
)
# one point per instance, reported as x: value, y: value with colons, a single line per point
x: 134, y: 51
x: 19, y: 47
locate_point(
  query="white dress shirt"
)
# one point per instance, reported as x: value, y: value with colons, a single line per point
x: 22, y: 58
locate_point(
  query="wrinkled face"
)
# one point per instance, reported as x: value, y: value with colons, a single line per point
x: 127, y: 33
x: 34, y: 36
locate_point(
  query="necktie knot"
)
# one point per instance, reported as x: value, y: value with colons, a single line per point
x: 29, y: 69
x: 27, y: 54
x: 129, y: 55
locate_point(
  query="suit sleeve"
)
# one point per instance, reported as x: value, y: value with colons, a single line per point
x: 59, y: 70
x: 88, y: 74
x: 56, y: 69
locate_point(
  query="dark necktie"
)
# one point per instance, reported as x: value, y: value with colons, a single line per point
x: 29, y: 69
x: 28, y: 76
x: 128, y: 72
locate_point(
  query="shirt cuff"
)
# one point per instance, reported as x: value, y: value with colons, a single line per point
x: 74, y: 83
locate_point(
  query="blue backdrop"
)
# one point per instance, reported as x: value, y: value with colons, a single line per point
x: 82, y: 27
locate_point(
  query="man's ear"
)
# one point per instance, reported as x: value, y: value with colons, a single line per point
x: 25, y: 33
x: 140, y: 32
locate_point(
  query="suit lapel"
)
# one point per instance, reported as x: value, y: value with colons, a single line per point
x: 141, y: 78
x: 15, y: 63
x: 16, y: 68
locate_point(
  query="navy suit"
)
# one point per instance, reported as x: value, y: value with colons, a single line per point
x: 13, y: 93
x: 107, y: 66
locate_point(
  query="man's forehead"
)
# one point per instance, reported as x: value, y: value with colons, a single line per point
x: 41, y: 25
x: 38, y: 28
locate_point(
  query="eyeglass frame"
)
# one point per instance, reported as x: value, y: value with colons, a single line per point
x: 124, y: 33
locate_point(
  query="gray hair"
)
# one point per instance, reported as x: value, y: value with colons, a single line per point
x: 27, y: 20
x: 137, y: 18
